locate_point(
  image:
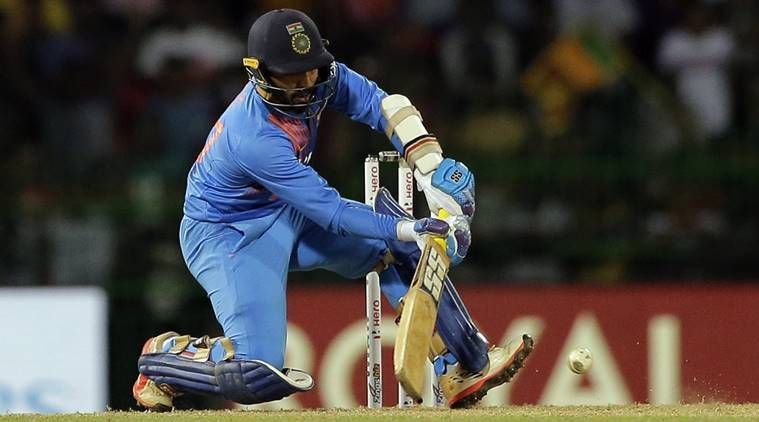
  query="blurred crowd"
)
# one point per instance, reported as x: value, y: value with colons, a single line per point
x: 613, y: 141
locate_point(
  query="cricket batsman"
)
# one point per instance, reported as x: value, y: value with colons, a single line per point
x: 255, y: 210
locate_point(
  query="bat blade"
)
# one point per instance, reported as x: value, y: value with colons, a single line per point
x: 417, y: 324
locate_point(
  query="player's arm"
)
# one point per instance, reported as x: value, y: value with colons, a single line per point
x: 359, y: 98
x: 447, y: 184
x: 273, y: 164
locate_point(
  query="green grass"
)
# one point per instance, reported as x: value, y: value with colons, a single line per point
x: 691, y: 412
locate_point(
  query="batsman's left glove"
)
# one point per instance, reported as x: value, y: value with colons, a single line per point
x: 453, y: 229
x: 459, y: 239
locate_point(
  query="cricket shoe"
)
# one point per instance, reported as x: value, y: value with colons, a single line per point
x: 464, y: 389
x: 150, y: 395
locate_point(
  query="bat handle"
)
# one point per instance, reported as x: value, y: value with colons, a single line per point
x: 442, y: 214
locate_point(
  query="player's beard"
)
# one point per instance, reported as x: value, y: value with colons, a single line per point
x: 300, y: 100
x: 293, y: 102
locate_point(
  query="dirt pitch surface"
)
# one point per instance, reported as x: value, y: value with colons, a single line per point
x: 691, y: 412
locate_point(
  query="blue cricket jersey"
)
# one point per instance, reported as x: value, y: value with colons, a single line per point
x: 255, y: 161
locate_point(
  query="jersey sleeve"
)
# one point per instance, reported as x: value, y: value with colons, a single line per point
x: 272, y: 163
x: 359, y: 98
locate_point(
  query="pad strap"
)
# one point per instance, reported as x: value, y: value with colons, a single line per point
x: 200, y: 349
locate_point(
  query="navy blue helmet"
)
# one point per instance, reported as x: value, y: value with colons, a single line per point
x: 286, y: 42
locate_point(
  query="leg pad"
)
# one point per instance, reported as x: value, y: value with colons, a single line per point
x: 255, y: 381
x: 186, y: 367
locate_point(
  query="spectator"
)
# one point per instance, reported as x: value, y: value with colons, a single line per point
x: 698, y: 55
x: 478, y: 57
x: 184, y: 35
x: 610, y: 19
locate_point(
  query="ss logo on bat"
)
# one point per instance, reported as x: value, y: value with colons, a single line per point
x: 433, y: 275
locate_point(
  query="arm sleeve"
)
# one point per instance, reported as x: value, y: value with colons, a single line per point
x: 359, y: 98
x: 272, y: 163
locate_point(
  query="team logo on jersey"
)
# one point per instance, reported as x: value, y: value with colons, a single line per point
x: 301, y: 43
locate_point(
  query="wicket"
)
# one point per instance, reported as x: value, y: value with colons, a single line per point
x: 373, y: 294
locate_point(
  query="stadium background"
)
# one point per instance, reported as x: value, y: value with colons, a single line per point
x: 615, y: 143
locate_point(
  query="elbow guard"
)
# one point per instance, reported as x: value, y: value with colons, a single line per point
x: 420, y: 148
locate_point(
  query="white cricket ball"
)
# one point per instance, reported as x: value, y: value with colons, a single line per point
x: 580, y: 360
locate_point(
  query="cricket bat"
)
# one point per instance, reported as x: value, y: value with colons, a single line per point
x: 417, y: 324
